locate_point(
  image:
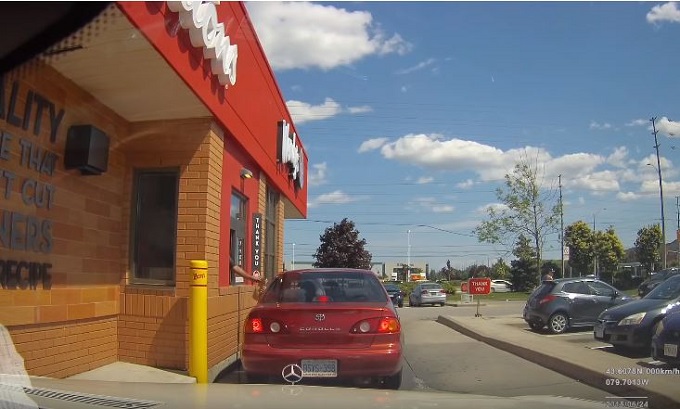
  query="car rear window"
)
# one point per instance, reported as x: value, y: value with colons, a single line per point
x: 391, y: 287
x: 668, y: 290
x: 431, y: 287
x: 342, y: 286
x: 544, y: 289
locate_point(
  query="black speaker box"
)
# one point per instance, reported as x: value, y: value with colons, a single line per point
x: 87, y: 149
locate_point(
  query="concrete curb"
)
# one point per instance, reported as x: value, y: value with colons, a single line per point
x: 584, y: 365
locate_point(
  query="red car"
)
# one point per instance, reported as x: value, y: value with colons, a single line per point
x: 324, y: 323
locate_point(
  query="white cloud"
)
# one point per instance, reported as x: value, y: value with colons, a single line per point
x: 404, y: 88
x: 435, y: 152
x: 466, y: 184
x: 431, y: 204
x: 317, y: 176
x: 668, y: 127
x: 497, y: 207
x: 360, y: 109
x: 619, y: 157
x: 596, y: 125
x: 336, y: 197
x: 372, y: 144
x: 303, y: 112
x: 638, y: 122
x: 597, y: 181
x: 424, y: 180
x: 665, y: 12
x: 627, y: 196
x: 417, y: 67
x: 306, y: 35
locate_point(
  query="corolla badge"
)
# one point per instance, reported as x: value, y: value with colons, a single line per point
x: 320, y: 317
x: 292, y: 373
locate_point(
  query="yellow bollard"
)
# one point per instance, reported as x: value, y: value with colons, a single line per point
x: 198, y: 321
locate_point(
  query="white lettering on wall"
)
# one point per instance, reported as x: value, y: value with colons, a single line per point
x: 206, y: 32
x: 291, y: 153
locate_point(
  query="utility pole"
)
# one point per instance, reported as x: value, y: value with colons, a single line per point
x: 561, y: 225
x: 658, y: 168
x: 408, y: 256
x: 677, y: 231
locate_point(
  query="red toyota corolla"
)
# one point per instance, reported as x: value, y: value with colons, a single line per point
x: 324, y: 323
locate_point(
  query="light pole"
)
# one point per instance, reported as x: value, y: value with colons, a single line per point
x: 594, y: 238
x: 293, y: 258
x: 663, y: 218
x: 408, y: 255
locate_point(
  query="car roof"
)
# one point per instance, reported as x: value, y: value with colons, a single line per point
x: 327, y: 270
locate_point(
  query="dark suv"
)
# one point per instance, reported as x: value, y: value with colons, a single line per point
x: 657, y: 278
x: 570, y: 302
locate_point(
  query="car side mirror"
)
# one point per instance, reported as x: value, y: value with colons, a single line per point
x: 615, y: 294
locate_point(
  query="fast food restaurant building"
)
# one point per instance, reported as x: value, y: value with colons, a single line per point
x: 153, y: 136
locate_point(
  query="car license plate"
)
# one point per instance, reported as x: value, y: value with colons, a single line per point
x: 319, y: 368
x: 599, y: 333
x: 670, y: 350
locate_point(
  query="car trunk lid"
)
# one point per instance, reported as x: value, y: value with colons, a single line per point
x: 322, y: 326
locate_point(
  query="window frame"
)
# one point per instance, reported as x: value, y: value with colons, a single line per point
x: 138, y: 173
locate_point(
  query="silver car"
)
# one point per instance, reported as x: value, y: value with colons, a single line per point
x: 427, y: 293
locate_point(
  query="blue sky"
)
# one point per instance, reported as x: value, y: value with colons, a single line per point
x: 413, y: 112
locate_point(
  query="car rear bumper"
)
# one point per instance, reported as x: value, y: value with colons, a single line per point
x: 534, y: 317
x: 658, y: 351
x: 261, y: 359
x: 433, y: 299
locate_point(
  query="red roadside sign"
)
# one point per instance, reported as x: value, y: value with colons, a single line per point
x: 480, y: 286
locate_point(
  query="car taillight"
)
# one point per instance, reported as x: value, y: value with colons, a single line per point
x: 442, y: 291
x: 547, y: 299
x: 388, y: 325
x: 257, y: 325
x: 424, y: 292
x: 383, y: 325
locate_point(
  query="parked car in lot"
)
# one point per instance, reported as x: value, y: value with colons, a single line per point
x: 396, y: 294
x: 427, y: 293
x: 666, y: 339
x: 657, y: 278
x: 332, y: 323
x: 632, y: 325
x: 570, y: 302
x: 501, y: 286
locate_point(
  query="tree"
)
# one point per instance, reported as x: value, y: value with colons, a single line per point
x: 647, y: 246
x: 528, y: 210
x: 341, y: 247
x: 500, y: 270
x: 609, y: 252
x: 523, y: 270
x: 478, y: 270
x: 579, y: 238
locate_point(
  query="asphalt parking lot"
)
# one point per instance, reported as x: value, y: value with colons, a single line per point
x: 632, y: 375
x: 584, y: 337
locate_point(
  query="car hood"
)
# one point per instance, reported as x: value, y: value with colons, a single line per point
x: 634, y: 307
x: 45, y: 393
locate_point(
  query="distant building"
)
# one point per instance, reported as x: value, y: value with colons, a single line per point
x: 377, y: 267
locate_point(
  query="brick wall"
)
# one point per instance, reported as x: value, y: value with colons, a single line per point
x: 153, y: 322
x: 69, y: 327
x: 64, y: 349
